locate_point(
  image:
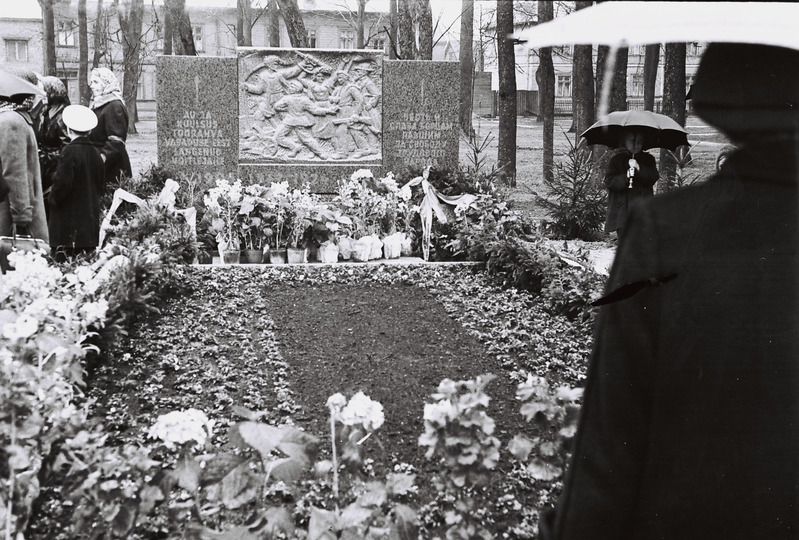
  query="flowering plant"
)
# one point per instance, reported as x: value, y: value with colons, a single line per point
x: 179, y: 427
x: 301, y: 206
x: 276, y: 203
x: 223, y: 202
x: 378, y: 207
x: 251, y: 217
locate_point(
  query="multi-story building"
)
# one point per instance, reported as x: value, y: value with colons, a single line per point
x: 328, y: 23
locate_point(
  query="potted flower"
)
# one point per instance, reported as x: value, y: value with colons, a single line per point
x: 251, y: 223
x: 328, y: 223
x: 298, y: 224
x: 274, y: 230
x: 223, y: 202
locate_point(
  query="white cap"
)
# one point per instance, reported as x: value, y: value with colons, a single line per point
x: 79, y: 118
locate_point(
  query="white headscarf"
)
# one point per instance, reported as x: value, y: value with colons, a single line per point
x: 111, y: 89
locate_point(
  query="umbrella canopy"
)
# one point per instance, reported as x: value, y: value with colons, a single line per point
x: 659, y: 130
x: 641, y: 23
x: 12, y: 86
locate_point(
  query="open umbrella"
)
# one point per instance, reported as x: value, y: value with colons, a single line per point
x: 12, y: 86
x: 626, y: 24
x: 659, y: 130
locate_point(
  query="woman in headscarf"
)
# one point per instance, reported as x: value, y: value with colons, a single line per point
x: 51, y: 136
x: 112, y: 123
x: 19, y: 160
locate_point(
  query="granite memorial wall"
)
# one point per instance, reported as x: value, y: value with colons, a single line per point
x: 305, y: 115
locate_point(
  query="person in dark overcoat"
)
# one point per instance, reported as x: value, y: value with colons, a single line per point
x: 690, y: 423
x: 112, y: 124
x: 51, y: 133
x: 630, y: 174
x: 75, y: 197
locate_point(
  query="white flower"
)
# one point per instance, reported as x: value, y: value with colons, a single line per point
x: 178, y: 427
x: 94, y: 311
x: 440, y: 412
x: 24, y: 327
x: 84, y: 274
x: 280, y: 189
x: 362, y: 173
x: 361, y: 410
x: 415, y: 209
x: 405, y: 193
x: 390, y: 183
x: 336, y: 402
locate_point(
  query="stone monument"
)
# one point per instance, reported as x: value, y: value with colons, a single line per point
x: 305, y: 115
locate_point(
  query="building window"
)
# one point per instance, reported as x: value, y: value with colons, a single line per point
x: 379, y: 44
x: 562, y: 50
x: 159, y: 36
x: 312, y: 39
x: 198, y: 38
x: 16, y: 50
x: 638, y: 50
x: 692, y: 49
x: 637, y: 85
x: 563, y: 86
x: 689, y: 82
x: 346, y: 39
x: 65, y: 34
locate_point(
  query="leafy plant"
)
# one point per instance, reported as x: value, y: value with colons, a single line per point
x: 576, y: 205
x: 682, y: 159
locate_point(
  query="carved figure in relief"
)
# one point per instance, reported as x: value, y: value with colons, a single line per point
x: 319, y: 88
x: 270, y: 82
x: 298, y: 120
x: 362, y: 75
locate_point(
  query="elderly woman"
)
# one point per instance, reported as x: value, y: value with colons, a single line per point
x: 51, y: 135
x: 112, y: 123
x: 19, y: 163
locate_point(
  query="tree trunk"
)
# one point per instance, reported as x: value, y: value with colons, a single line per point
x: 273, y: 23
x: 673, y: 102
x: 83, y: 54
x: 506, y: 151
x: 48, y: 27
x: 99, y: 32
x: 582, y: 83
x: 466, y: 65
x: 130, y: 23
x: 545, y: 77
x: 169, y: 31
x: 392, y: 33
x: 244, y: 23
x: 295, y: 26
x: 651, y: 60
x: 599, y: 77
x: 425, y: 21
x: 618, y: 94
x: 359, y: 30
x: 406, y: 32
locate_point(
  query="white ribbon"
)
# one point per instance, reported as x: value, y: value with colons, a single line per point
x: 432, y: 204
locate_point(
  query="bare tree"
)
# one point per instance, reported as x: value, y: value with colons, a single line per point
x: 295, y: 26
x: 100, y: 34
x: 425, y: 25
x: 545, y: 77
x: 83, y: 54
x: 651, y: 61
x: 392, y: 32
x: 169, y: 30
x: 244, y: 23
x: 130, y: 24
x: 182, y: 33
x: 618, y: 93
x: 506, y: 141
x: 466, y: 58
x: 406, y: 33
x: 673, y: 102
x: 359, y: 25
x: 583, y: 83
x: 48, y: 28
x: 273, y: 23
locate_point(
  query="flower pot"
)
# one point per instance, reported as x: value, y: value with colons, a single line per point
x: 328, y: 252
x: 277, y: 256
x: 252, y: 256
x: 230, y: 256
x: 345, y: 244
x: 297, y: 255
x: 313, y: 253
x: 376, y: 251
x: 392, y: 246
x: 361, y: 249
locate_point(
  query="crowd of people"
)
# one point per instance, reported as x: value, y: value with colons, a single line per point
x: 56, y: 160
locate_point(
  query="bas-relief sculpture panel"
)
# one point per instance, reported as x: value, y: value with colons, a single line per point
x: 310, y: 105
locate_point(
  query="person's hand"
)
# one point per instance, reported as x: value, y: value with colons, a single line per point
x: 633, y: 164
x: 102, y: 156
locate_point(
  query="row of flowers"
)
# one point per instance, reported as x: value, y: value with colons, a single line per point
x: 257, y: 217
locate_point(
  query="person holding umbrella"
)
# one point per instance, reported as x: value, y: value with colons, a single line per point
x: 631, y: 173
x: 689, y: 427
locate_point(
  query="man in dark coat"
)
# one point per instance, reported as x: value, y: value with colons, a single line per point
x: 630, y: 174
x: 690, y: 423
x: 75, y: 197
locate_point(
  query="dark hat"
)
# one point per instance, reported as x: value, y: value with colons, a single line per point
x: 742, y: 88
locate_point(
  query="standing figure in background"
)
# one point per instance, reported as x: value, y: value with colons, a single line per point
x: 75, y: 198
x: 631, y: 174
x: 112, y: 124
x: 23, y: 210
x: 52, y: 134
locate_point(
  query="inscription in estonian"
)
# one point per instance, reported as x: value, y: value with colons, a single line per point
x: 197, y: 139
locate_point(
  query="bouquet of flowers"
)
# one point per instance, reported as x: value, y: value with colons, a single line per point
x: 299, y: 211
x: 252, y: 214
x: 223, y: 202
x: 276, y: 203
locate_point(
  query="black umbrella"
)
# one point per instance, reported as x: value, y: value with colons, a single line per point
x: 659, y: 130
x: 12, y: 87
